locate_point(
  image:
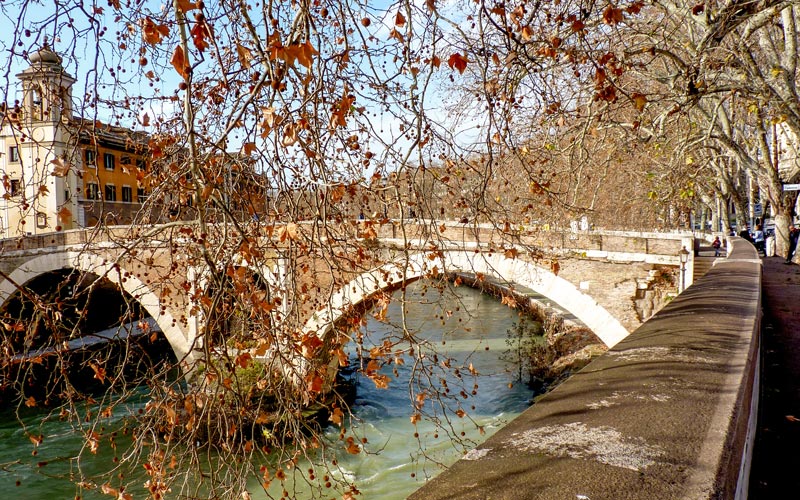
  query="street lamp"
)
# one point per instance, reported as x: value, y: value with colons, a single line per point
x: 684, y: 256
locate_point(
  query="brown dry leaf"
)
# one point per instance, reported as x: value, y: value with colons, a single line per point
x: 201, y: 32
x: 65, y: 215
x: 337, y: 193
x: 179, y: 62
x: 269, y: 120
x: 185, y: 5
x: 396, y: 35
x: 635, y: 7
x: 248, y: 148
x: 458, y: 62
x: 152, y: 33
x: 315, y: 383
x: 380, y: 381
x: 342, y: 356
x: 107, y: 489
x: 289, y: 135
x: 612, y: 15
x: 289, y: 231
x: 306, y: 53
x: 94, y: 442
x: 309, y: 345
x: 639, y: 100
x: 352, y: 447
x: 244, y: 359
x: 509, y: 301
x: 245, y: 55
x: 99, y: 372
x: 336, y: 416
x: 60, y: 167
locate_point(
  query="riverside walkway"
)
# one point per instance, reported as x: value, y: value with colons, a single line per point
x: 776, y: 456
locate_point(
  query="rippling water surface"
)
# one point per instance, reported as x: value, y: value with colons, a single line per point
x: 468, y: 327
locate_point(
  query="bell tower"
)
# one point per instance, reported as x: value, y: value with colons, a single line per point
x: 46, y: 88
x: 43, y: 195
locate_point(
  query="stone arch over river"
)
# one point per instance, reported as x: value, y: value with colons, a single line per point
x: 495, y: 265
x: 126, y: 281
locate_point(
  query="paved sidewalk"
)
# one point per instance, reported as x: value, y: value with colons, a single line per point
x: 776, y: 459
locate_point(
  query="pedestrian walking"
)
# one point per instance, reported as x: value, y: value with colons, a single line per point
x: 758, y: 239
x: 745, y: 234
x: 794, y: 233
x: 717, y: 245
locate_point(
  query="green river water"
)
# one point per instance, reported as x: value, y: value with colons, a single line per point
x: 474, y: 329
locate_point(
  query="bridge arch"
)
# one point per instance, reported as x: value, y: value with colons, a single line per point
x: 497, y: 265
x: 126, y: 281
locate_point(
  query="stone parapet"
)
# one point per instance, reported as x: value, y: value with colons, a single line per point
x: 668, y: 413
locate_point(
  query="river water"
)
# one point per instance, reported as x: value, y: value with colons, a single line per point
x: 467, y: 327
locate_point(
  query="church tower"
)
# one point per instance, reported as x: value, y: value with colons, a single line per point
x: 46, y: 89
x: 39, y: 195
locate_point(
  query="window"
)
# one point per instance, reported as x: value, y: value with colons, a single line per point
x: 41, y: 220
x: 127, y: 194
x: 141, y: 195
x: 125, y: 160
x: 14, y: 187
x: 13, y: 154
x: 36, y: 102
x: 111, y: 192
x: 92, y: 191
x: 108, y: 161
x: 89, y: 157
x: 140, y: 164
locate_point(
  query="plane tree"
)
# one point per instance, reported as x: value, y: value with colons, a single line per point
x: 332, y: 111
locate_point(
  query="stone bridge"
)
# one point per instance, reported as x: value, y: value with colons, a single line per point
x: 604, y: 280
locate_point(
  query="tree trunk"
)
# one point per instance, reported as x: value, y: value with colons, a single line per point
x: 782, y: 221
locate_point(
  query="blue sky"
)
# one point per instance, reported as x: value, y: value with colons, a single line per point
x: 74, y: 32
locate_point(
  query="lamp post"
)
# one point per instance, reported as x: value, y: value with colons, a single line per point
x: 684, y: 256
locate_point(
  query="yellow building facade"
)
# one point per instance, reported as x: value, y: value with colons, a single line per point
x: 59, y: 172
